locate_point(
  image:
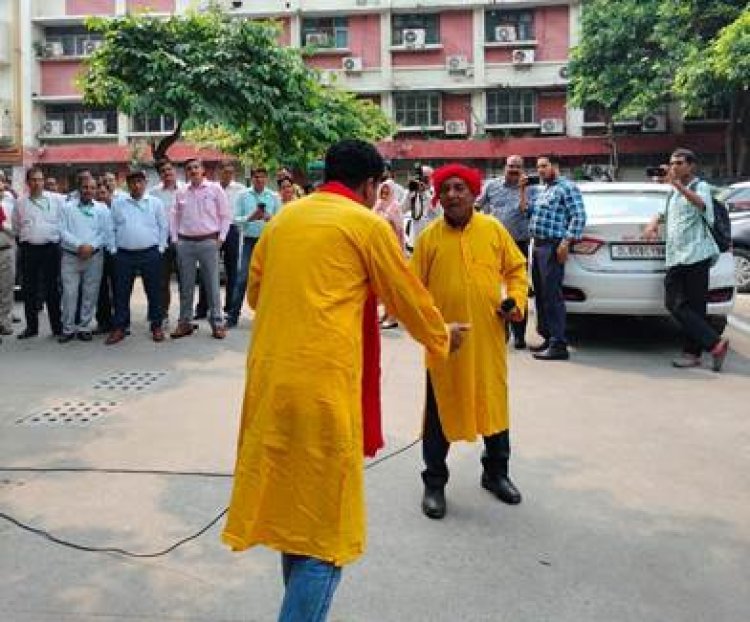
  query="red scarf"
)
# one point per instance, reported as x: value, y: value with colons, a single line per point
x: 372, y: 426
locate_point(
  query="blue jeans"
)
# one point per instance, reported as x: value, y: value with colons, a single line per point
x: 128, y: 263
x: 547, y: 275
x: 310, y: 584
x: 238, y: 297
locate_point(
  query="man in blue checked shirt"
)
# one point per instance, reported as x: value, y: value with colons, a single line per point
x: 557, y: 220
x: 140, y: 237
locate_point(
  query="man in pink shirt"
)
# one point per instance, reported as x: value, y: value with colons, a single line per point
x: 198, y: 224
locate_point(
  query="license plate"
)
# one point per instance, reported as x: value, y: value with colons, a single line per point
x: 638, y: 251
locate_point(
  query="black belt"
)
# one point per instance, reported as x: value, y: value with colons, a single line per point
x: 96, y: 250
x: 138, y: 250
x: 547, y: 241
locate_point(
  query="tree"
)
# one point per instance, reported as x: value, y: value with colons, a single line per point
x: 226, y: 78
x: 637, y: 55
x: 615, y: 65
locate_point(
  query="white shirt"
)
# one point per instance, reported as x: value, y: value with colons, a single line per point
x: 37, y: 220
x: 166, y: 195
x: 233, y: 192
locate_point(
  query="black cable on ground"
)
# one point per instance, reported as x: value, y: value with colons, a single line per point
x: 125, y: 553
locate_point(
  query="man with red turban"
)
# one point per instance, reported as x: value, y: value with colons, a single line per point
x: 470, y: 264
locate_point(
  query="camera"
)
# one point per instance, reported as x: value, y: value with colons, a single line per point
x: 656, y: 171
x: 417, y: 177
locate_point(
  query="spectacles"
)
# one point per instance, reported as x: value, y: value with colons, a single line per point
x: 677, y: 163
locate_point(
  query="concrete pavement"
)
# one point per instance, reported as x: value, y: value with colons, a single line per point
x: 635, y: 479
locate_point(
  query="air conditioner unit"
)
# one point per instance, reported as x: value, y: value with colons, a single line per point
x: 552, y: 126
x: 414, y: 37
x: 522, y: 57
x: 316, y: 38
x: 91, y: 46
x: 94, y: 127
x: 455, y: 128
x: 656, y: 122
x: 505, y: 33
x: 53, y: 127
x: 457, y: 64
x: 351, y: 64
x: 564, y: 72
x: 54, y: 49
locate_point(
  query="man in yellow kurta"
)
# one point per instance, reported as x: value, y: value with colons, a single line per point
x: 298, y: 484
x: 471, y: 265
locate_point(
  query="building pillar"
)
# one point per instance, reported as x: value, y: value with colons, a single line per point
x: 574, y: 116
x: 478, y: 100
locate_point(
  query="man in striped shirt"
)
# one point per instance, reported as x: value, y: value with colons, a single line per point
x: 557, y: 220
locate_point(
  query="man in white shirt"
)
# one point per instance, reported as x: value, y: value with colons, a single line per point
x: 37, y: 223
x: 7, y: 256
x: 85, y: 230
x: 166, y: 191
x: 140, y: 237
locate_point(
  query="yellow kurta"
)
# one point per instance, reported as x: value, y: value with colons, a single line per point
x: 469, y: 272
x: 299, y: 484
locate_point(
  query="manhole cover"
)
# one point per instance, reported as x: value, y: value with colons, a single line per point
x: 131, y: 381
x: 69, y: 413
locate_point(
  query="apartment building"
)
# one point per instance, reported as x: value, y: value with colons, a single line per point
x: 463, y: 79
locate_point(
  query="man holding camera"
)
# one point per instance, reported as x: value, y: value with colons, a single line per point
x: 418, y: 202
x: 507, y: 199
x: 690, y: 252
x: 253, y: 210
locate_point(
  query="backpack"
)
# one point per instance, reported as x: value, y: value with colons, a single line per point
x: 721, y: 230
x: 722, y: 227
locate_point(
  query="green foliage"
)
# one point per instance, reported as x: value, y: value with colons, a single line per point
x: 230, y: 83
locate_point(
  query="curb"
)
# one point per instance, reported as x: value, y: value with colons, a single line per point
x: 741, y: 325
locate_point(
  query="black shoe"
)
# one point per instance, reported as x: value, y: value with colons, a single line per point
x: 27, y: 334
x: 84, y: 336
x: 541, y: 347
x: 66, y: 337
x: 200, y: 316
x: 519, y: 344
x: 502, y: 488
x: 553, y: 353
x: 433, y: 503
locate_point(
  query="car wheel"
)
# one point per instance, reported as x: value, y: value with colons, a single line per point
x: 742, y: 269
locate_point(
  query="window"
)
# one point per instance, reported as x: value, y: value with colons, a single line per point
x: 69, y: 41
x: 150, y: 124
x: 520, y: 24
x: 510, y: 107
x: 596, y: 113
x: 75, y: 119
x: 417, y: 109
x: 326, y: 32
x: 430, y: 23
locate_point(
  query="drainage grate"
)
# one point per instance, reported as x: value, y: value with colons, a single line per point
x: 130, y: 380
x: 70, y: 413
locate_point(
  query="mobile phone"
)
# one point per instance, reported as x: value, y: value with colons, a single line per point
x: 262, y: 207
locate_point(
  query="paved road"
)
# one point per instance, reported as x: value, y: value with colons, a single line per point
x: 635, y: 475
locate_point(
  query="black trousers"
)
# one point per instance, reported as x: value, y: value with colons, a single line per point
x: 41, y: 264
x: 147, y: 263
x: 230, y: 255
x: 519, y: 328
x: 105, y: 302
x: 685, y: 291
x: 435, y: 447
x: 547, y: 275
x: 168, y: 268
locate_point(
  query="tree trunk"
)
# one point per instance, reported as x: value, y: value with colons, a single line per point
x: 159, y: 149
x: 614, y: 155
x: 730, y: 133
x: 743, y: 137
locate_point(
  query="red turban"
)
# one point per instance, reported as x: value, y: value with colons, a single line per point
x: 471, y: 176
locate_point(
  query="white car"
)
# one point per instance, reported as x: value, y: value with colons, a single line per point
x: 613, y: 271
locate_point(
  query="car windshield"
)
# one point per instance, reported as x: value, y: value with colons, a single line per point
x: 737, y: 199
x: 611, y: 204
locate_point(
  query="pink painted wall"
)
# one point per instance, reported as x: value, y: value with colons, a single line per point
x: 550, y: 107
x: 364, y: 39
x: 325, y: 61
x: 286, y: 31
x: 456, y: 107
x: 551, y: 29
x: 89, y: 7
x: 455, y: 36
x: 58, y: 77
x: 151, y: 6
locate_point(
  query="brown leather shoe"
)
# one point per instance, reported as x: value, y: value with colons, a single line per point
x: 219, y: 332
x: 157, y: 334
x: 116, y: 336
x: 183, y: 330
